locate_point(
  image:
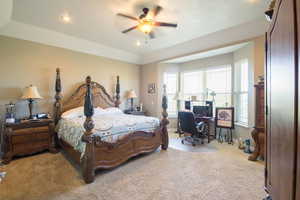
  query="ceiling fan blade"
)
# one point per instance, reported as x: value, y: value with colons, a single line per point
x: 151, y: 35
x: 127, y: 16
x: 130, y: 29
x: 157, y: 10
x: 165, y: 24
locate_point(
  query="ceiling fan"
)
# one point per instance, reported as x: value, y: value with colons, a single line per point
x: 146, y: 21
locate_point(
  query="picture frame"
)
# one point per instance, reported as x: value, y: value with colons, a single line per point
x: 224, y: 117
x: 151, y: 88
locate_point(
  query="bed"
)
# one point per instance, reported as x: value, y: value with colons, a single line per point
x: 97, y: 134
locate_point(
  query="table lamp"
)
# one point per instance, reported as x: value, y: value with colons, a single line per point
x: 31, y: 93
x: 131, y: 95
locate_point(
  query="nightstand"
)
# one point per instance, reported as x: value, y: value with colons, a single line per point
x: 27, y: 138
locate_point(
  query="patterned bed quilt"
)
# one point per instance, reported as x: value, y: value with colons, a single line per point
x: 110, y: 127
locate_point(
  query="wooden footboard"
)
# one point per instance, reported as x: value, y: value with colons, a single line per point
x: 100, y: 154
x: 109, y: 155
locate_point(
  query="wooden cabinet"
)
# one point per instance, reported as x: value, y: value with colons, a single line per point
x: 258, y: 134
x: 282, y: 99
x: 298, y: 122
x: 27, y: 138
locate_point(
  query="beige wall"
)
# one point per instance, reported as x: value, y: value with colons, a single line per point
x: 259, y: 55
x: 23, y: 63
x: 148, y: 75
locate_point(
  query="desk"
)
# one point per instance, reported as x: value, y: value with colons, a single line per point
x: 207, y: 120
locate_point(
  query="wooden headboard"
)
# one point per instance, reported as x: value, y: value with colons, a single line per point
x: 100, y: 97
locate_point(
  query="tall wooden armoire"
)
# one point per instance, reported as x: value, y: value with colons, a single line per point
x: 282, y: 102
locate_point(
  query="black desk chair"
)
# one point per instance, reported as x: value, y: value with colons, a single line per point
x: 198, y: 131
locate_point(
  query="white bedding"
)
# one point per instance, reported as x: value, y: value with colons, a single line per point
x: 110, y: 127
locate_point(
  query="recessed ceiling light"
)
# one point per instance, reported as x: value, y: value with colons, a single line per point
x: 253, y: 1
x: 65, y: 18
x: 138, y: 43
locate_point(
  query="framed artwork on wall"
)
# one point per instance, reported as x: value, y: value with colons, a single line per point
x: 151, y: 88
x: 225, y: 117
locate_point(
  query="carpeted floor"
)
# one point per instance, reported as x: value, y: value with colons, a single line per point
x: 223, y: 173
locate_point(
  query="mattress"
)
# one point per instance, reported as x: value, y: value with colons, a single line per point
x: 110, y: 127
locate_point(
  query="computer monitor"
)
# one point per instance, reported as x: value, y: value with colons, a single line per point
x: 201, y: 111
x: 187, y: 105
x: 210, y: 108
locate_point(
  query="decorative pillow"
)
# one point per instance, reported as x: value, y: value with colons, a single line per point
x: 73, y: 113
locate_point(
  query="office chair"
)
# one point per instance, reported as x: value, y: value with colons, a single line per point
x: 198, y: 131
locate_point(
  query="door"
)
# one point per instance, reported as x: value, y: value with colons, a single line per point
x: 281, y: 102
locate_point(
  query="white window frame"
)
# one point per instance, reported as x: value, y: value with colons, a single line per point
x: 238, y: 92
x: 171, y: 95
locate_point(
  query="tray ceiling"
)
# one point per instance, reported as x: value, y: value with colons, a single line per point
x: 96, y: 20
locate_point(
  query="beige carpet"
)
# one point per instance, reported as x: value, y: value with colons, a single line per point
x: 224, y: 174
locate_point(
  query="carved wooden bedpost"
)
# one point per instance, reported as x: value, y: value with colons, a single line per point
x: 87, y: 161
x: 57, y: 104
x: 118, y: 102
x: 164, y: 122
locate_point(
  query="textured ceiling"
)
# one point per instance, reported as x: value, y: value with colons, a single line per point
x: 96, y: 20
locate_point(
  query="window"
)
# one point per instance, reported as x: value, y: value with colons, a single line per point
x: 218, y: 80
x: 241, y: 91
x: 171, y: 81
x: 192, y: 83
x: 209, y: 81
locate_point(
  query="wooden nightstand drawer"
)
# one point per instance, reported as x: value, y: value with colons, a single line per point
x: 25, y: 131
x: 17, y: 139
x: 23, y: 149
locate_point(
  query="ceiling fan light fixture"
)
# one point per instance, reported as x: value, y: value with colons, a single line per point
x: 146, y: 22
x: 145, y: 27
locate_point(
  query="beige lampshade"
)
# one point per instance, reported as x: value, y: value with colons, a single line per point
x: 131, y: 94
x: 31, y: 92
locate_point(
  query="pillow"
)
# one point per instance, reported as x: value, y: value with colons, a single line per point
x: 79, y: 112
x: 73, y: 113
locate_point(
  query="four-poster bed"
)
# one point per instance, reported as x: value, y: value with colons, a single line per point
x: 99, y: 153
